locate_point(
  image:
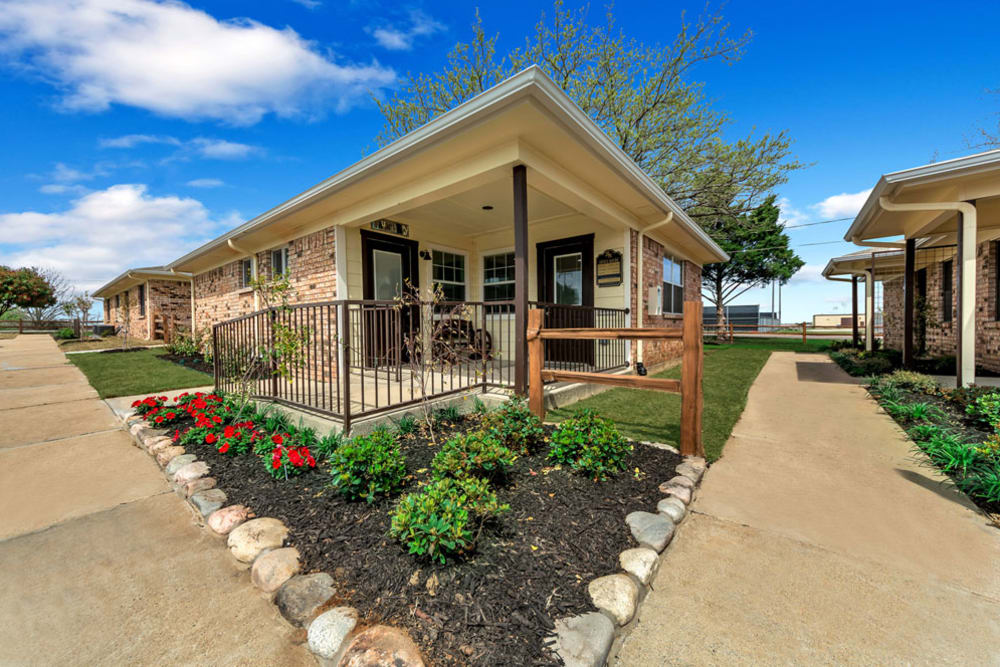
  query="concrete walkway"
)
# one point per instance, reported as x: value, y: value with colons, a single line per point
x: 819, y: 538
x: 100, y: 563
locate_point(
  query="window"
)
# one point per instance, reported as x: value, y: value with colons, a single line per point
x: 142, y: 301
x: 498, y: 281
x: 118, y: 300
x: 673, y: 285
x: 946, y: 269
x: 246, y: 272
x: 448, y: 273
x: 279, y: 262
x: 996, y: 280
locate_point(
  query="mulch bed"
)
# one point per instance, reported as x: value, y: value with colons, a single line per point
x: 197, y: 363
x: 496, y: 607
x: 957, y: 422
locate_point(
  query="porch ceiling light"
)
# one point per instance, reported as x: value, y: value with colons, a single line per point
x: 487, y: 207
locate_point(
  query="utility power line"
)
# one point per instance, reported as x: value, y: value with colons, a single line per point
x: 821, y: 222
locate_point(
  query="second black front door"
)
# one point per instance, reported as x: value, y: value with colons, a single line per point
x: 566, y: 287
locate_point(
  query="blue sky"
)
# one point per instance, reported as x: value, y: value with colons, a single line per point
x: 127, y: 143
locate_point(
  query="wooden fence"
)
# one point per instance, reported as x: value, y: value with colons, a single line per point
x: 689, y: 386
x: 34, y: 326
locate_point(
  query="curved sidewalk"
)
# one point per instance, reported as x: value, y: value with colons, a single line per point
x: 819, y: 538
x: 100, y: 563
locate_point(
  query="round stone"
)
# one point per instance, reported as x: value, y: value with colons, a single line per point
x: 681, y: 480
x: 196, y: 485
x: 164, y: 456
x: 616, y: 594
x: 651, y: 530
x: 208, y: 501
x: 249, y: 539
x: 329, y: 630
x: 159, y: 445
x: 673, y: 508
x: 190, y: 472
x: 681, y: 493
x: 640, y: 563
x: 224, y: 520
x: 584, y: 640
x: 381, y: 646
x: 177, y: 463
x: 274, y: 568
x: 152, y: 440
x: 300, y: 597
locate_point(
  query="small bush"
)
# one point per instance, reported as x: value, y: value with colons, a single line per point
x: 447, y: 414
x: 287, y: 459
x: 146, y: 405
x: 950, y: 454
x: 328, y: 444
x: 859, y: 364
x: 518, y: 429
x: 985, y: 409
x: 405, y: 425
x: 182, y: 344
x: 914, y: 412
x: 912, y: 381
x: 924, y: 432
x: 443, y: 519
x: 479, y: 408
x: 276, y: 420
x: 590, y: 445
x: 477, y: 454
x: 65, y: 334
x: 368, y: 466
x: 963, y: 397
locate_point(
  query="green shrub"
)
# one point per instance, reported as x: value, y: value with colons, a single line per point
x: 447, y: 414
x: 963, y: 397
x: 983, y: 484
x: 276, y: 420
x: 860, y: 363
x: 590, y: 445
x: 328, y: 444
x: 950, y: 454
x: 406, y: 425
x: 479, y: 408
x: 183, y: 344
x: 65, y: 333
x: 924, y: 432
x: 443, y: 518
x: 911, y: 381
x: 985, y: 409
x: 518, y: 429
x: 477, y: 454
x: 914, y: 412
x: 368, y: 466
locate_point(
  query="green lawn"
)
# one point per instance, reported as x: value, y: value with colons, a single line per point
x: 142, y: 372
x: 730, y: 369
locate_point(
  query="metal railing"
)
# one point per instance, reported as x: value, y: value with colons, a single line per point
x: 356, y: 358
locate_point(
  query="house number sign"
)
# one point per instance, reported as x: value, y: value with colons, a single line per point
x: 609, y: 269
x: 391, y: 226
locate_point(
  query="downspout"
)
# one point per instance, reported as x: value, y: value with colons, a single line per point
x: 253, y: 268
x: 967, y: 258
x: 640, y: 368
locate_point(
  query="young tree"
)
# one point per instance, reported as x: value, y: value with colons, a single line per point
x: 758, y: 249
x: 83, y: 303
x: 124, y: 320
x: 642, y: 96
x: 24, y: 288
x: 61, y: 291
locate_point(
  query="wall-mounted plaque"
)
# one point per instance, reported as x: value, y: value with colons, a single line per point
x: 391, y: 226
x: 609, y: 269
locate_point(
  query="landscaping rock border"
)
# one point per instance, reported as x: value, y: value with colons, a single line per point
x: 259, y: 544
x: 586, y: 640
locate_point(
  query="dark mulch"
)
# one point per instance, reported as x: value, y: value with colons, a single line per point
x: 496, y: 607
x: 197, y: 363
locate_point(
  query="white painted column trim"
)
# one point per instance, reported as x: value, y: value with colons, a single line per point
x: 627, y: 278
x: 869, y: 311
x: 340, y: 260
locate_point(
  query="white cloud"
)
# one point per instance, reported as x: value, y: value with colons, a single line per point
x: 178, y: 61
x: 206, y: 183
x: 844, y: 205
x: 308, y: 4
x: 789, y: 215
x: 809, y: 273
x: 62, y: 189
x: 132, y: 140
x: 106, y: 231
x: 396, y: 38
x: 206, y: 147
x: 221, y: 149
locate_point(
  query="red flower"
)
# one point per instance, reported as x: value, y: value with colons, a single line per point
x: 217, y: 419
x: 224, y: 448
x: 210, y: 438
x: 228, y: 432
x: 159, y: 419
x: 277, y: 439
x: 293, y: 456
x: 276, y: 463
x: 171, y: 415
x: 136, y: 403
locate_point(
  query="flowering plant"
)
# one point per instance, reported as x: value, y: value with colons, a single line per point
x: 164, y: 415
x: 287, y: 460
x: 238, y: 438
x: 148, y: 404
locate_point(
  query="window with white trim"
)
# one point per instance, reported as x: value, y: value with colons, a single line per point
x: 246, y: 272
x: 448, y: 273
x: 673, y: 285
x: 279, y: 262
x: 498, y: 280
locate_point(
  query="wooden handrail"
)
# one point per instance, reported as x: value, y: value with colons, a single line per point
x: 689, y: 386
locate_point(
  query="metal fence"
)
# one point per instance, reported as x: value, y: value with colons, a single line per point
x: 355, y: 358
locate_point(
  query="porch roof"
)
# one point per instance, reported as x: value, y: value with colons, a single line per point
x: 969, y: 178
x: 526, y: 119
x: 133, y: 277
x: 888, y: 263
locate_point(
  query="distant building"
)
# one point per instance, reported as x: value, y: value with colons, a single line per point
x: 840, y: 321
x: 749, y: 315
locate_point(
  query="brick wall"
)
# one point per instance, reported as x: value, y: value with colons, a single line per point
x: 171, y: 301
x: 657, y: 352
x: 940, y: 334
x: 311, y: 272
x: 128, y: 301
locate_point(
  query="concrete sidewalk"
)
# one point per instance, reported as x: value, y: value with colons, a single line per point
x: 100, y: 563
x: 819, y: 538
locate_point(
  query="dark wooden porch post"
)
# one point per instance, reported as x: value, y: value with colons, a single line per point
x: 855, y: 338
x: 909, y: 259
x: 520, y: 279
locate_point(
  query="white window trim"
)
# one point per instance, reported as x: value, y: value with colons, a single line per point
x: 253, y: 273
x: 676, y: 259
x: 482, y: 277
x: 285, y: 255
x: 454, y: 251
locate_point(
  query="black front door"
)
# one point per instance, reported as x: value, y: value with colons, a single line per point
x: 566, y: 288
x: 389, y: 265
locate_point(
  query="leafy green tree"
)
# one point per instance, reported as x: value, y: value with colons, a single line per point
x: 758, y: 248
x: 642, y: 96
x: 24, y: 288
